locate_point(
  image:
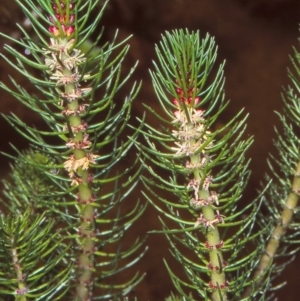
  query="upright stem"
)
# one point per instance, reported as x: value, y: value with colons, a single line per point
x: 78, y: 167
x: 216, y: 264
x: 81, y: 177
x: 209, y: 219
x: 192, y: 135
x: 280, y: 230
x: 64, y: 63
x: 22, y: 288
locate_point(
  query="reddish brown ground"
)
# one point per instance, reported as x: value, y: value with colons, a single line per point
x: 254, y: 36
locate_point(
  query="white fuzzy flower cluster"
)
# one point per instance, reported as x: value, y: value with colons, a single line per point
x: 193, y: 139
x: 72, y: 164
x: 192, y: 132
x: 63, y: 61
x: 61, y: 55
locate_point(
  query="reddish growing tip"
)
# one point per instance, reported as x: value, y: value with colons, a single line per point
x: 54, y: 30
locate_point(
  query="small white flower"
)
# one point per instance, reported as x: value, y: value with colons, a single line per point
x: 208, y: 180
x: 64, y: 79
x: 74, y: 60
x: 72, y: 164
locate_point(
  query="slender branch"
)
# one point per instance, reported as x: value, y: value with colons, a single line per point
x: 278, y: 232
x: 209, y: 219
x: 22, y: 287
x: 64, y: 66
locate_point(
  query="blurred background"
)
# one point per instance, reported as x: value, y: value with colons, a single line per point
x: 255, y: 37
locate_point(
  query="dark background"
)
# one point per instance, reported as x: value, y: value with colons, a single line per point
x: 254, y: 36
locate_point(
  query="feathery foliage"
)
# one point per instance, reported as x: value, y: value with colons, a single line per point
x: 70, y: 173
x: 198, y: 171
x: 28, y: 261
x: 62, y: 219
x: 282, y: 196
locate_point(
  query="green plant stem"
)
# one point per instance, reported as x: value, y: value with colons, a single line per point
x: 87, y: 226
x: 213, y: 241
x: 21, y: 283
x: 279, y: 231
x: 215, y: 256
x: 87, y: 232
x: 78, y: 167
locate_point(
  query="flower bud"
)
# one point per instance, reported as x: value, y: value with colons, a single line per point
x: 69, y: 30
x: 71, y: 18
x: 54, y: 30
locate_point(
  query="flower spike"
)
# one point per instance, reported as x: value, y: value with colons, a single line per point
x: 65, y: 177
x: 199, y: 160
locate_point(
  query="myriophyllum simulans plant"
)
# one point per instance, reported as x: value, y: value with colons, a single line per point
x: 207, y: 171
x: 223, y: 255
x: 63, y: 226
x: 83, y: 193
x: 63, y: 61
